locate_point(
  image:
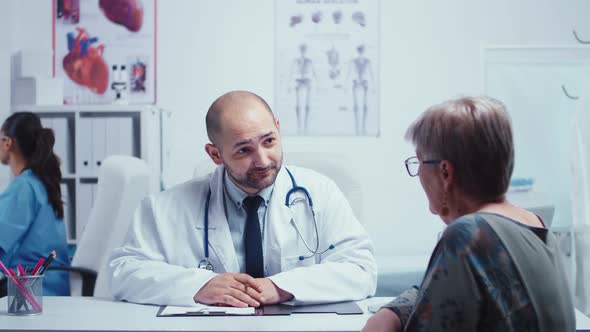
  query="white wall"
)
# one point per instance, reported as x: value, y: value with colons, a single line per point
x: 430, y: 51
x: 7, y: 41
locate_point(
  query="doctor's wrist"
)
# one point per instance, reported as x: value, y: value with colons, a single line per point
x: 284, y: 296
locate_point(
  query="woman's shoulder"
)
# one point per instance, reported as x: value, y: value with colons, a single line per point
x: 465, y: 225
x: 27, y: 183
x: 465, y: 232
x: 28, y: 177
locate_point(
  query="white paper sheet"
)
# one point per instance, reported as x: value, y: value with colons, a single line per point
x: 174, y: 310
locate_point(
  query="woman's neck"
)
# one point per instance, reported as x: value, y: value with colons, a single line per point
x: 468, y: 206
x: 17, y: 166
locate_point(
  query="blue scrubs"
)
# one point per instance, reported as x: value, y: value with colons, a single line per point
x: 29, y: 229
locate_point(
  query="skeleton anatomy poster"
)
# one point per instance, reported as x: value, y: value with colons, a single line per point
x: 105, y: 50
x: 326, y: 67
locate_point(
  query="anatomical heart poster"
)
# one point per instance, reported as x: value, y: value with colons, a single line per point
x: 327, y: 67
x: 105, y: 50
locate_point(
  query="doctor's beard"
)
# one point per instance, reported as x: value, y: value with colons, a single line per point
x: 257, y: 177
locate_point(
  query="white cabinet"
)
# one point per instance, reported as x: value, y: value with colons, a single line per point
x: 85, y: 136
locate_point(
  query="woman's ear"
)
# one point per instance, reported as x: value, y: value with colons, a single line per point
x: 214, y: 153
x: 447, y: 173
x: 8, y: 143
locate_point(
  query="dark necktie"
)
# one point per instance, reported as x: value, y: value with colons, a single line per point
x: 253, y: 238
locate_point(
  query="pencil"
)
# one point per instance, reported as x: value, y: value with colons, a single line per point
x: 38, y: 266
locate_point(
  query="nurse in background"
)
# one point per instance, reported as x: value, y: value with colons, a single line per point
x: 31, y: 209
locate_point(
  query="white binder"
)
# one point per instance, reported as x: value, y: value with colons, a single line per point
x: 126, y: 136
x: 84, y: 146
x: 60, y: 130
x: 46, y: 122
x: 113, y: 137
x: 98, y: 143
x: 65, y: 197
x: 93, y: 187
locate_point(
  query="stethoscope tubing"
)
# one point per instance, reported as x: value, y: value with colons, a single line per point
x: 294, y: 188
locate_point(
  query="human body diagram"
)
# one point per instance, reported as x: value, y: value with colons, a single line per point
x: 303, y: 75
x: 360, y: 74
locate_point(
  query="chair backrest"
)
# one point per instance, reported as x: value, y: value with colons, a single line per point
x: 122, y: 182
x: 332, y: 165
x: 204, y: 167
x: 337, y: 167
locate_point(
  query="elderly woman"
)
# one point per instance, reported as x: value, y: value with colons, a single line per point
x: 496, y: 267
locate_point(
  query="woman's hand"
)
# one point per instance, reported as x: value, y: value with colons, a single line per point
x: 382, y: 321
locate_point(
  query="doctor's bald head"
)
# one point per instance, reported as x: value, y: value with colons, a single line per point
x: 233, y: 106
x: 245, y: 138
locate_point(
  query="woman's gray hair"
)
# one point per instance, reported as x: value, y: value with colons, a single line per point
x: 475, y: 135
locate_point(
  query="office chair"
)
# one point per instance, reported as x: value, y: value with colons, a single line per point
x: 122, y: 182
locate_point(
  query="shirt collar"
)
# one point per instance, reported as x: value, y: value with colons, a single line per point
x: 26, y: 171
x: 237, y: 195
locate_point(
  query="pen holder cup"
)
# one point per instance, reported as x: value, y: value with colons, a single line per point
x: 25, y: 295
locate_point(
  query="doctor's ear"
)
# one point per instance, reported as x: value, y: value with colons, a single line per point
x: 213, y: 153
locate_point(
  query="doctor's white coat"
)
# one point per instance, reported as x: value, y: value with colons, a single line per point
x: 158, y: 260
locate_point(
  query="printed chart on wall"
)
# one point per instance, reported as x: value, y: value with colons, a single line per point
x: 326, y: 67
x: 105, y: 50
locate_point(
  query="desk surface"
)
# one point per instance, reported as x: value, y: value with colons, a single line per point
x: 95, y: 314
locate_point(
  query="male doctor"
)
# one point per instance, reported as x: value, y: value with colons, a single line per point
x: 259, y: 251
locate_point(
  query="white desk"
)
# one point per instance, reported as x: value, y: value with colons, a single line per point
x: 95, y: 314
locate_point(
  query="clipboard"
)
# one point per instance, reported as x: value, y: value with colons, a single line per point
x: 204, y: 311
x: 340, y: 308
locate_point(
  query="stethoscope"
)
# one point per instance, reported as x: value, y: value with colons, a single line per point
x: 206, y: 264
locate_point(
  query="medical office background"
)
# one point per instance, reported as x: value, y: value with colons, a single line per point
x: 429, y: 51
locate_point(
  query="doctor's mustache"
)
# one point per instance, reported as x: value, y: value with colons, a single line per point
x: 262, y: 169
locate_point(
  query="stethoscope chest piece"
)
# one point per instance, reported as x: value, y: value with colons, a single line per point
x: 206, y: 265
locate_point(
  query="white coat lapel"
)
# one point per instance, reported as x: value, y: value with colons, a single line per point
x: 278, y: 222
x: 220, y: 240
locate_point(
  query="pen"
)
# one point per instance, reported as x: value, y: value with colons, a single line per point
x: 21, y: 271
x: 48, y: 261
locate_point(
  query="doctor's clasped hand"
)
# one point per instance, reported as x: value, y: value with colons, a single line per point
x: 234, y: 289
x: 240, y: 290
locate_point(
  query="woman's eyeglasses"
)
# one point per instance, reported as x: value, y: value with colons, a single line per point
x: 413, y: 164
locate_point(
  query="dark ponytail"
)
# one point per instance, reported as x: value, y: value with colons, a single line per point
x: 36, y: 145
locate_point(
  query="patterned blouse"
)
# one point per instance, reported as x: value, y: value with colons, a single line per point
x: 473, y: 284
